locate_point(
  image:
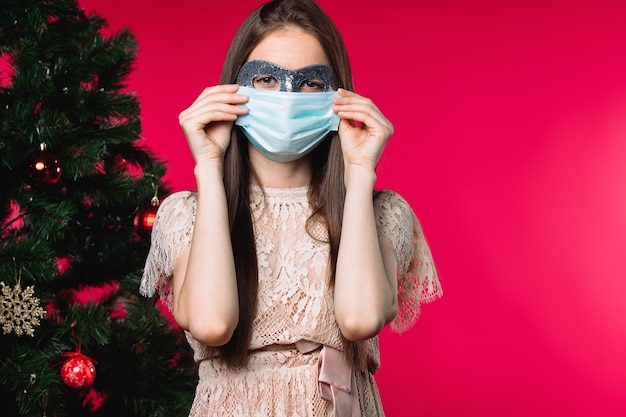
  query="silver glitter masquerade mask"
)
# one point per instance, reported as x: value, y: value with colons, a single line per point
x: 290, y: 80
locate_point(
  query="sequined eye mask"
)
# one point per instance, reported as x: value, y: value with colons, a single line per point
x: 290, y: 80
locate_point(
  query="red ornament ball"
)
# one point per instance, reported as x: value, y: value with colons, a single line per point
x: 78, y: 371
x: 144, y: 220
x: 43, y: 168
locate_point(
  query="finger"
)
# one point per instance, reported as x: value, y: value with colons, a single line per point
x: 219, y: 97
x: 348, y: 125
x: 355, y: 100
x: 214, y: 100
x: 361, y: 110
x: 364, y: 116
x: 198, y: 121
x: 214, y: 108
x: 352, y: 102
x: 347, y: 93
x: 210, y: 113
x: 222, y: 88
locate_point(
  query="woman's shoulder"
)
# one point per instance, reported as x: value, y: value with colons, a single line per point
x: 171, y: 233
x: 388, y: 195
x: 418, y: 281
x: 180, y: 198
x: 390, y: 202
x: 177, y: 211
x: 178, y: 203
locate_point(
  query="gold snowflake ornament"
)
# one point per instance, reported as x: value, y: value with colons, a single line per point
x: 19, y: 310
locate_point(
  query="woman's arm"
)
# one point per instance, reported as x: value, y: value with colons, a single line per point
x: 365, y: 279
x: 205, y: 285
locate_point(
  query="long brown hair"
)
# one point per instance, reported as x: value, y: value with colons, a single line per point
x: 326, y: 191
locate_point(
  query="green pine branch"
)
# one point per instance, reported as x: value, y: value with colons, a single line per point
x: 67, y: 88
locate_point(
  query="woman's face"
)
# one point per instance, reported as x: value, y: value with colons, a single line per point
x: 279, y: 54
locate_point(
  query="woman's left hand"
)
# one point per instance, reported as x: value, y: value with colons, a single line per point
x: 362, y: 142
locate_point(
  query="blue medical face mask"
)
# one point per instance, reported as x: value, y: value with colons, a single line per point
x: 285, y: 126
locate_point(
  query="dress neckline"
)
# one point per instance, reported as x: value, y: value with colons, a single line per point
x: 279, y: 192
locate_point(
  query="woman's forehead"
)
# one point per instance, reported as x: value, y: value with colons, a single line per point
x: 290, y: 48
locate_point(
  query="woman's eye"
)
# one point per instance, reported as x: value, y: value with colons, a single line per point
x: 312, y: 86
x: 266, y: 82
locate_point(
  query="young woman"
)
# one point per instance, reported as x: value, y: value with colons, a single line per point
x: 285, y: 264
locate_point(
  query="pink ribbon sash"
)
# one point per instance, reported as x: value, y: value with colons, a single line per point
x: 336, y: 379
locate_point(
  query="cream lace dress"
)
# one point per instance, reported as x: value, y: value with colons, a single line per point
x: 294, y: 323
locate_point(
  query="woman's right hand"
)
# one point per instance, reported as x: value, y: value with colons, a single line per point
x: 208, y: 122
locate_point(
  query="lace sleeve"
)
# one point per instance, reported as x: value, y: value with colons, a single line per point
x: 171, y: 234
x: 417, y: 277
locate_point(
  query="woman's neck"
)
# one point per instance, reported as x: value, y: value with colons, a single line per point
x: 268, y: 173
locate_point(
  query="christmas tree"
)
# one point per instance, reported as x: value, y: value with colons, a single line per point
x: 77, y: 195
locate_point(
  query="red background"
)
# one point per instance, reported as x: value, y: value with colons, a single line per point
x: 510, y: 145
